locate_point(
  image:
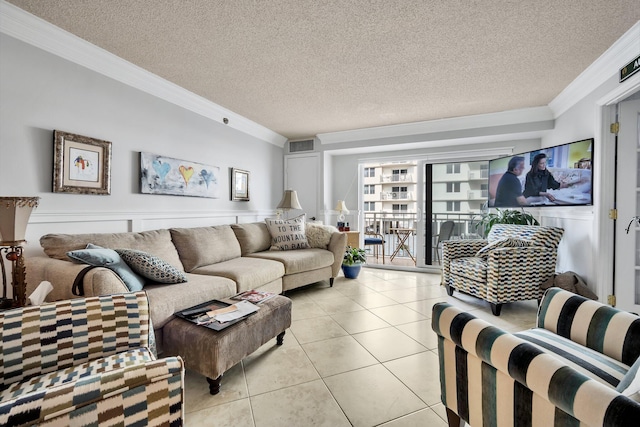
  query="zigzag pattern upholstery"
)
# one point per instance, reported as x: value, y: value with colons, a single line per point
x: 509, y: 273
x: 86, y: 362
x: 490, y: 377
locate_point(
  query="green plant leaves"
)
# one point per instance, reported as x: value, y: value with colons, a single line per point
x: 508, y: 216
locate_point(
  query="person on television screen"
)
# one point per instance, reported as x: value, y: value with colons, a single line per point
x: 509, y: 191
x: 539, y: 179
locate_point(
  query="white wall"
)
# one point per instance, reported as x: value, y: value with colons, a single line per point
x: 40, y: 92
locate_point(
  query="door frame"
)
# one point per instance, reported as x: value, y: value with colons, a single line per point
x: 603, y: 179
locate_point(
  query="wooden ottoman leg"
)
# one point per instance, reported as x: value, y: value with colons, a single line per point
x: 280, y: 338
x: 214, y: 385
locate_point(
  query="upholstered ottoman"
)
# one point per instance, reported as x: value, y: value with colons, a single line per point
x: 211, y: 353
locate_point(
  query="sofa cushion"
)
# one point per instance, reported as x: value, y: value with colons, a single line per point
x: 247, y: 272
x: 591, y: 363
x: 155, y: 242
x: 253, y: 237
x: 287, y: 234
x: 165, y: 300
x: 151, y: 267
x: 205, y: 245
x: 319, y: 235
x: 299, y: 260
x: 103, y: 257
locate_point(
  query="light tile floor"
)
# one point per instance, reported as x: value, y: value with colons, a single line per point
x: 361, y: 353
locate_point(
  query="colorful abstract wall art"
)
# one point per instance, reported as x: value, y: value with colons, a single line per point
x: 165, y: 175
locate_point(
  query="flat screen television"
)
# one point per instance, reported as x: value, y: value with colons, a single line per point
x: 563, y: 177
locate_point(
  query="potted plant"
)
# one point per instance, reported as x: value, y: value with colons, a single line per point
x: 352, y: 262
x: 508, y: 216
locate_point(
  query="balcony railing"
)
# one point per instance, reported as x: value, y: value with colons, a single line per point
x: 395, y: 195
x: 403, y: 177
x: 477, y: 194
x: 387, y: 224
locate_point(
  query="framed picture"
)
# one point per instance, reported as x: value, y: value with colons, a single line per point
x: 239, y: 185
x: 167, y: 175
x: 81, y: 165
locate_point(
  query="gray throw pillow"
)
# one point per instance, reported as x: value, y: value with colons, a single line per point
x: 151, y: 266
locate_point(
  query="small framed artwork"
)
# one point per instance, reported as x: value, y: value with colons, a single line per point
x: 81, y: 165
x: 239, y: 185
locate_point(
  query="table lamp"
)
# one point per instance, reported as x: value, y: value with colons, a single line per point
x: 289, y: 201
x: 342, y: 210
x: 14, y: 217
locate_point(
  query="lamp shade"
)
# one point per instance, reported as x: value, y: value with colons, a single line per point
x: 14, y: 216
x: 289, y: 200
x: 342, y: 207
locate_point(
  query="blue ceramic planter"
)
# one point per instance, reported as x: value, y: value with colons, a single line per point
x: 351, y: 271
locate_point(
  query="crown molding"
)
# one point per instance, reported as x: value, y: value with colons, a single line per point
x: 517, y: 117
x: 17, y: 23
x: 602, y: 69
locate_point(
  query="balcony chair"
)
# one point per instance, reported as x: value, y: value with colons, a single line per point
x: 446, y: 230
x: 510, y: 265
x: 86, y: 362
x: 371, y: 237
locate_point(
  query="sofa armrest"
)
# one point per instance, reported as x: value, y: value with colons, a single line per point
x: 581, y: 320
x: 461, y: 336
x: 49, y: 337
x: 152, y: 391
x: 61, y: 274
x: 452, y: 249
x: 337, y: 245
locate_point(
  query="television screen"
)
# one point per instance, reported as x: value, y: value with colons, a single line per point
x: 553, y: 176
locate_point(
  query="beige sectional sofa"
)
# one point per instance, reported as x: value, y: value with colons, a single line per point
x: 218, y: 262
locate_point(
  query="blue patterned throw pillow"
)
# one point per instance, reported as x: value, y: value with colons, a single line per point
x: 103, y: 257
x: 151, y: 266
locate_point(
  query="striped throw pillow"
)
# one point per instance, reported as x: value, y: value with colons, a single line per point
x: 508, y: 242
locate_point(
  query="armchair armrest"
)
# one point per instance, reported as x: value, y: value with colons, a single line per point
x: 40, y: 339
x: 464, y: 342
x: 452, y: 249
x: 151, y: 391
x: 580, y: 320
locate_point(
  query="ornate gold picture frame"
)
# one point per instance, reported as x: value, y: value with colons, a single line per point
x: 81, y: 165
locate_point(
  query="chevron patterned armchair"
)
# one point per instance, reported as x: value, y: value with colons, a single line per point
x: 86, y: 362
x: 510, y: 265
x: 577, y: 367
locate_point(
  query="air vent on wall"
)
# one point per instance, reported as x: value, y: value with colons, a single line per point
x: 302, y: 145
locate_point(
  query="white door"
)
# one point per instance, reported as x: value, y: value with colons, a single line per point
x: 302, y: 173
x: 627, y: 261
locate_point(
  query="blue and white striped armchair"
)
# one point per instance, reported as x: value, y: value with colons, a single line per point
x: 565, y: 372
x: 508, y: 266
x: 86, y: 362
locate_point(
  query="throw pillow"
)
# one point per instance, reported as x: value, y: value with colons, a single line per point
x: 287, y: 234
x: 151, y: 266
x: 103, y: 257
x: 508, y: 242
x: 630, y: 383
x: 318, y: 235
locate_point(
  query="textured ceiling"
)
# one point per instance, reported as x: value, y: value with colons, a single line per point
x: 303, y: 67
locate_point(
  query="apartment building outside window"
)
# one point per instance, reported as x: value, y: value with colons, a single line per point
x: 369, y: 172
x: 369, y: 189
x: 400, y: 208
x: 453, y: 206
x: 453, y: 187
x: 453, y: 168
x: 369, y: 206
